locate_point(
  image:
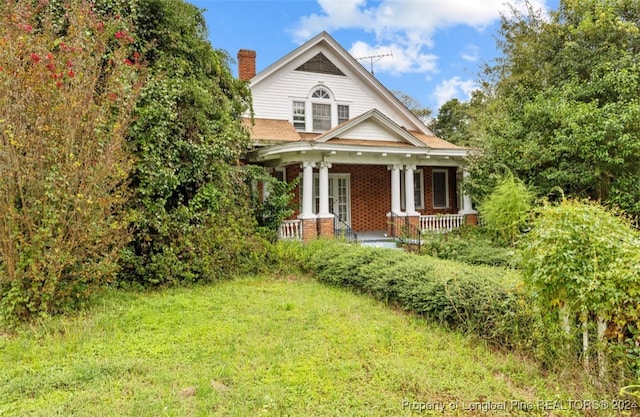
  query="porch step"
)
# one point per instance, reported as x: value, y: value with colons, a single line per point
x: 382, y: 243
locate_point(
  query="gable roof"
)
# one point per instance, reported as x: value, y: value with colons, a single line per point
x: 374, y: 115
x: 325, y: 40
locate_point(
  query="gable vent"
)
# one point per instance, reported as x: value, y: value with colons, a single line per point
x: 321, y: 65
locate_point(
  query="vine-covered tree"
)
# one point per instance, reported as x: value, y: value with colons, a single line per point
x: 564, y: 103
x: 194, y: 221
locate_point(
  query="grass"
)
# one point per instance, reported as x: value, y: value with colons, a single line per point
x: 258, y: 347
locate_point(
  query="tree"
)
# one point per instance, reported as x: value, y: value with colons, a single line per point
x: 68, y: 83
x: 564, y: 103
x: 456, y: 118
x: 423, y: 113
x: 194, y: 221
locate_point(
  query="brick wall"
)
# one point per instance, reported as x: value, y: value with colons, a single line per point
x: 371, y: 193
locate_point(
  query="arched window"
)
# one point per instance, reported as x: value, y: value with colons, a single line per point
x: 321, y: 93
x: 325, y: 112
x: 321, y: 112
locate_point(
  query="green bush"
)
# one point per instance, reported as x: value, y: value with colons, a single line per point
x: 65, y: 104
x: 506, y: 210
x: 285, y: 257
x: 487, y: 301
x: 470, y: 245
x: 210, y: 239
x: 582, y: 263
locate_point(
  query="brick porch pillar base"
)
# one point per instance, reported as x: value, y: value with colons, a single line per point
x: 471, y: 218
x: 414, y: 221
x: 326, y: 227
x: 309, y: 229
x: 395, y: 230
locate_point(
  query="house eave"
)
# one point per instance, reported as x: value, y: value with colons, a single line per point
x: 355, y: 154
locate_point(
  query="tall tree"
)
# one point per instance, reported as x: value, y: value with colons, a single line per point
x: 564, y: 106
x: 193, y: 220
x: 456, y: 118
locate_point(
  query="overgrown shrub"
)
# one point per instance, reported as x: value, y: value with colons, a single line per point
x: 68, y: 82
x: 210, y: 238
x: 274, y: 204
x: 506, y: 210
x: 582, y: 263
x: 285, y: 257
x: 487, y: 301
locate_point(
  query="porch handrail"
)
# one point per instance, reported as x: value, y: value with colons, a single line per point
x: 440, y: 223
x: 342, y: 230
x: 290, y: 230
x: 409, y: 234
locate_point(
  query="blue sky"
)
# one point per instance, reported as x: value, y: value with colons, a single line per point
x: 438, y: 47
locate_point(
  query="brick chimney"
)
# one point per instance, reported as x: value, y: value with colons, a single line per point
x: 246, y: 64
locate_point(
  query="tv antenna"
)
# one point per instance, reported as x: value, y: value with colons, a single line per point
x: 374, y: 58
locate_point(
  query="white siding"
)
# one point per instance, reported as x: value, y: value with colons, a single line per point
x: 273, y: 97
x: 371, y: 131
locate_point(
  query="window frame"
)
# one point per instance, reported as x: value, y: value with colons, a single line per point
x: 342, y: 107
x: 317, y: 120
x: 300, y: 124
x: 446, y: 187
x: 417, y: 185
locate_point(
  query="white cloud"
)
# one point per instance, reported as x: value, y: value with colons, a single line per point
x: 471, y: 53
x: 405, y: 26
x: 394, y: 59
x: 453, y: 87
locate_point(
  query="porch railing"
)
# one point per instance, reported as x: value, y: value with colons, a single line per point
x: 342, y: 230
x: 405, y: 232
x: 290, y: 230
x: 440, y: 223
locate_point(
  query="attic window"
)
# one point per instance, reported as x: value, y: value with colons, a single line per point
x: 320, y: 64
x: 320, y: 93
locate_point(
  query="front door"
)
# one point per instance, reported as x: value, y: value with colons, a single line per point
x: 339, y: 197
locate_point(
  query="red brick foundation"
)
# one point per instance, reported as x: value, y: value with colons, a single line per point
x: 414, y: 221
x: 395, y: 230
x: 471, y: 219
x: 309, y: 229
x: 325, y: 227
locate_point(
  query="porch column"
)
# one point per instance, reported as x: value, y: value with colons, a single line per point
x: 307, y: 190
x: 395, y: 188
x: 309, y: 220
x: 324, y: 189
x: 410, y: 203
x: 467, y: 205
x: 325, y: 218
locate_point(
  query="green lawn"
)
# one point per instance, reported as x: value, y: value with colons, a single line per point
x: 255, y: 347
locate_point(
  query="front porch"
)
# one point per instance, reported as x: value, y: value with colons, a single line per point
x: 366, y: 172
